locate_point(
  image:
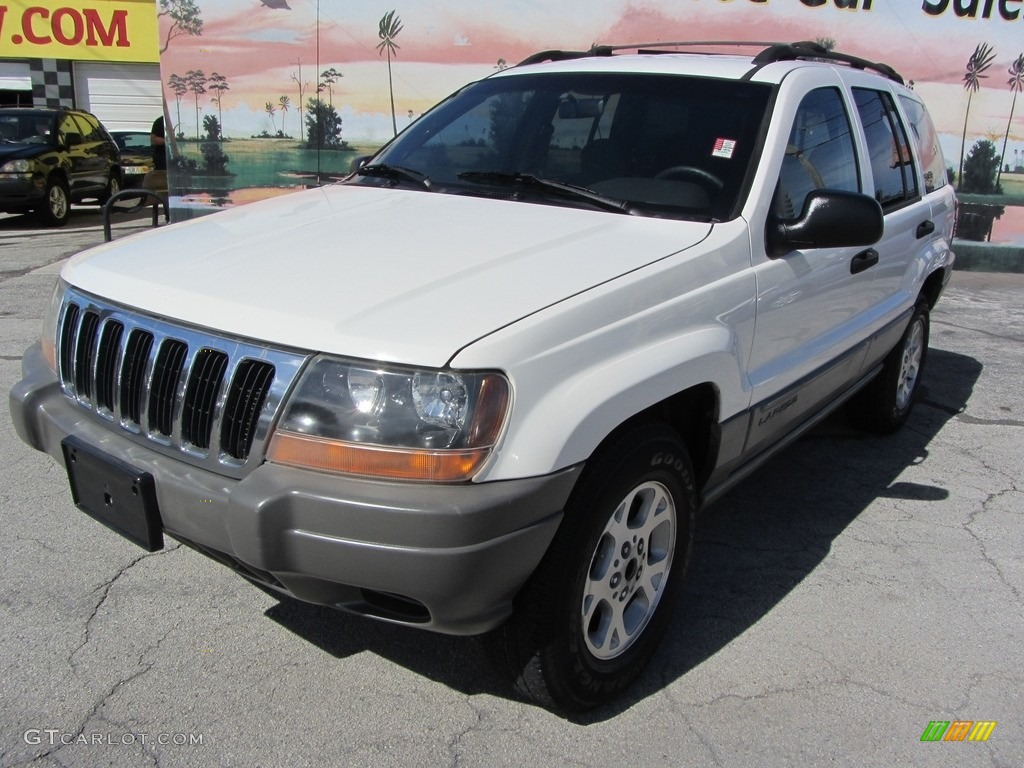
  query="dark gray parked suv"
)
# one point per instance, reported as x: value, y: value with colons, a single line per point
x: 51, y: 157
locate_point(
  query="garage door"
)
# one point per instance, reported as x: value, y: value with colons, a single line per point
x: 15, y: 84
x: 125, y: 97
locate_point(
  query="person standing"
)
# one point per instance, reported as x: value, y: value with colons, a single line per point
x: 159, y: 144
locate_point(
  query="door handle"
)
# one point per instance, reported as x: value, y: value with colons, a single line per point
x: 925, y: 228
x: 863, y: 260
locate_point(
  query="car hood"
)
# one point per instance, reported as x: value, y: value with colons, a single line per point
x: 22, y: 151
x: 384, y: 274
x: 136, y: 157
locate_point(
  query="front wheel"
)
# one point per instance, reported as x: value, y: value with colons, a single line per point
x: 591, y: 616
x: 56, y: 207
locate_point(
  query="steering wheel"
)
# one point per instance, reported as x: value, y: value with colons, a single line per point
x: 694, y: 172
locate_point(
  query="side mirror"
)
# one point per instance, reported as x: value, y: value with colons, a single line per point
x: 831, y: 218
x: 359, y: 162
x: 72, y: 139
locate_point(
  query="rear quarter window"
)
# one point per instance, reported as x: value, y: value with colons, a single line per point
x: 933, y: 164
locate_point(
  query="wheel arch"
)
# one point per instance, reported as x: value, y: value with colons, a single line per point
x: 60, y: 173
x: 589, y: 407
x: 693, y: 415
x: 933, y: 285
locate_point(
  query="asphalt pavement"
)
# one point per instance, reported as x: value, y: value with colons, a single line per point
x: 852, y: 592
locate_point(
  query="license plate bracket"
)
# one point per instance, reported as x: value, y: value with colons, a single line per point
x: 114, y: 493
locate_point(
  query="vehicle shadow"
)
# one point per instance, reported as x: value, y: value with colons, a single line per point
x: 82, y: 216
x: 750, y: 550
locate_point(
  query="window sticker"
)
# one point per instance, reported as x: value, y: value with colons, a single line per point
x: 724, y: 148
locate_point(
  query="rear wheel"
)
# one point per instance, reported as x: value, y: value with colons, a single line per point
x: 884, y: 405
x: 591, y: 616
x: 56, y: 206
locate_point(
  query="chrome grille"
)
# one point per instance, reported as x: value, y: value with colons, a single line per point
x: 163, y: 386
x: 243, y: 404
x: 133, y: 369
x: 106, y: 364
x: 201, y: 397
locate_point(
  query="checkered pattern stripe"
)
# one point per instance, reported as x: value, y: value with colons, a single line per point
x: 52, y: 84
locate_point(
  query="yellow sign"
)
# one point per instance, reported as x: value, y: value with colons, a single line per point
x: 84, y: 30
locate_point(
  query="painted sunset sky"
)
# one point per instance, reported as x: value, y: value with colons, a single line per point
x: 261, y: 49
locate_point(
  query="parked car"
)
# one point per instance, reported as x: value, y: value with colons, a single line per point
x: 136, y: 155
x: 53, y: 157
x: 486, y: 382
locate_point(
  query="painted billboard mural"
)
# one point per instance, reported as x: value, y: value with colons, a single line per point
x: 266, y: 96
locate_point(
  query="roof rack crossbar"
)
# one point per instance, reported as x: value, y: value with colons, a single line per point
x: 810, y: 50
x: 608, y: 49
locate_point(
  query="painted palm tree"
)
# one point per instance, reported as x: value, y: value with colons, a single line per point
x: 271, y: 109
x: 218, y: 84
x: 179, y: 88
x: 284, y: 104
x: 196, y: 80
x: 302, y: 93
x: 1016, y: 83
x: 327, y: 80
x: 390, y: 26
x: 979, y: 62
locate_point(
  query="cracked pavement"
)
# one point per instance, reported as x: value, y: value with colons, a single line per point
x: 848, y: 593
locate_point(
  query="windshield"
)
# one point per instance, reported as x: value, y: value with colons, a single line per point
x: 26, y: 128
x: 135, y: 140
x: 664, y: 145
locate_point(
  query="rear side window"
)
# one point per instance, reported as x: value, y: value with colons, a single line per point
x: 892, y: 165
x: 819, y: 155
x: 923, y: 130
x: 91, y: 130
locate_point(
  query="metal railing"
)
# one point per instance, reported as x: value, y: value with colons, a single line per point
x: 144, y: 198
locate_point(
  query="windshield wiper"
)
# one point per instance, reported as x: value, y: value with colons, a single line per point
x: 395, y: 172
x: 548, y: 185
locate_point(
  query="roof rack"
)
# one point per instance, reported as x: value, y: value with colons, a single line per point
x: 772, y: 52
x: 556, y: 55
x: 607, y: 50
x: 811, y: 50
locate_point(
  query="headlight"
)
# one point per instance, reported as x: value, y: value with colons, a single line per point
x: 391, y: 422
x: 48, y: 340
x: 16, y: 166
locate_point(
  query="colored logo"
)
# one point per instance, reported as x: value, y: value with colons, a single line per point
x: 958, y: 730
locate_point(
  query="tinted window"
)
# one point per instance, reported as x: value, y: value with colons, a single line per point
x: 26, y: 127
x: 921, y: 127
x: 892, y: 169
x: 90, y: 126
x: 819, y: 155
x: 69, y: 130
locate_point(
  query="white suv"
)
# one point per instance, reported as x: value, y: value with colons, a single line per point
x: 485, y: 382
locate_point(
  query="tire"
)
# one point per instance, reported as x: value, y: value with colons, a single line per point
x: 55, y: 209
x: 591, y: 616
x: 113, y: 187
x: 885, y: 403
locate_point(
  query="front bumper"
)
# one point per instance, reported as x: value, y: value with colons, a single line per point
x: 450, y: 558
x: 20, y: 192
